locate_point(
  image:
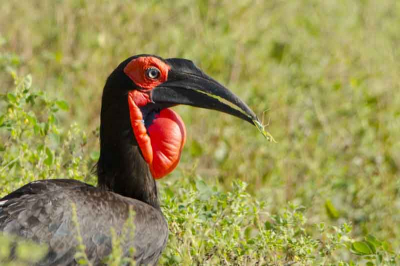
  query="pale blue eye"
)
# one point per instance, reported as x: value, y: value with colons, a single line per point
x: 153, y: 73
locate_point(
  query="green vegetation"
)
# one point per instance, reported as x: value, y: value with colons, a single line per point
x: 22, y: 251
x: 323, y: 75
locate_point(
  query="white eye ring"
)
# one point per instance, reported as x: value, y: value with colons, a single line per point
x: 153, y: 73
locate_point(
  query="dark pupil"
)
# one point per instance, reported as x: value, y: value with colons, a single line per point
x: 153, y: 73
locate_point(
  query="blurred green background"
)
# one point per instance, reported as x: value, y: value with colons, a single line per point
x: 324, y: 76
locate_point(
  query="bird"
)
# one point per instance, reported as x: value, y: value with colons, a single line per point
x: 141, y: 140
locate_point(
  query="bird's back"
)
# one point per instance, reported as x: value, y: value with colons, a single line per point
x: 42, y: 211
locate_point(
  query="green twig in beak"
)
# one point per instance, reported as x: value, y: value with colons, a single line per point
x: 265, y: 133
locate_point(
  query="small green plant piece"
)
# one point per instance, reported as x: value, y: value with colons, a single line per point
x: 80, y: 255
x: 17, y: 251
x: 30, y: 252
x: 6, y: 243
x: 332, y: 212
x: 265, y: 133
x: 124, y: 240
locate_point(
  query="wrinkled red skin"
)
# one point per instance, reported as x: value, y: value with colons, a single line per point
x: 136, y: 71
x: 162, y: 142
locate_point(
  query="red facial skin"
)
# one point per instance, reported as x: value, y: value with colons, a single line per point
x: 162, y: 142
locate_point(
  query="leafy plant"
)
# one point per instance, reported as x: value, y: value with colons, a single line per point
x: 33, y: 146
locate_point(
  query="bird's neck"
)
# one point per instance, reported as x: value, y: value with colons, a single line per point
x: 121, y: 167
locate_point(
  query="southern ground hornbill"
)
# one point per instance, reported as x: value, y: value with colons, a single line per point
x: 141, y: 140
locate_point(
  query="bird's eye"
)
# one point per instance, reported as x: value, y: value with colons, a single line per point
x: 153, y: 73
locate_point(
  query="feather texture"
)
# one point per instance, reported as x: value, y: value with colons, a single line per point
x: 42, y: 211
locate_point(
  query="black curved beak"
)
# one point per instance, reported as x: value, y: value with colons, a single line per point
x: 188, y: 85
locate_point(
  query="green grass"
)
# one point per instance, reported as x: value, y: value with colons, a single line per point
x: 324, y: 76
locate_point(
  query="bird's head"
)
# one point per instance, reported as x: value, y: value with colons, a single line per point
x: 151, y: 85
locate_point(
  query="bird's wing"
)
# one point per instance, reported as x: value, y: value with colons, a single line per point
x: 43, y: 186
x: 36, y: 212
x: 43, y: 212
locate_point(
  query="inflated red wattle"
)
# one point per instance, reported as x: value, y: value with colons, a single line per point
x: 161, y: 144
x: 168, y: 135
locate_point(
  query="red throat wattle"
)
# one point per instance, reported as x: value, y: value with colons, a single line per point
x: 161, y: 143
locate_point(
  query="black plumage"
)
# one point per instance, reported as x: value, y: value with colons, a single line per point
x: 42, y: 211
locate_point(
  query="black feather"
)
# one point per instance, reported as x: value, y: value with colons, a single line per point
x: 42, y: 211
